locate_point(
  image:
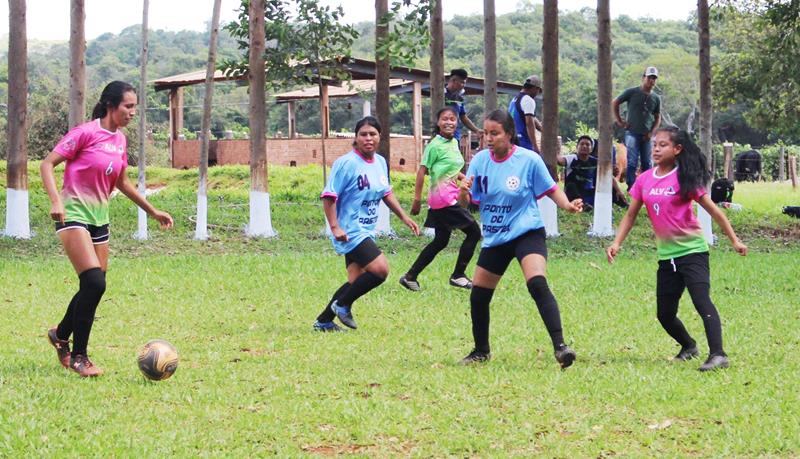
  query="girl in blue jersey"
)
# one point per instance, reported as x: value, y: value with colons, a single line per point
x: 505, y: 181
x: 358, y: 182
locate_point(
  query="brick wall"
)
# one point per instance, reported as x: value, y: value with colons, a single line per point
x: 186, y: 153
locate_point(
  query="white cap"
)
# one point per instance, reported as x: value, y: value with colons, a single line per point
x: 651, y: 71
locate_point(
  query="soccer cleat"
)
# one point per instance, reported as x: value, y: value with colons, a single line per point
x: 327, y: 327
x: 410, y: 284
x: 61, y: 345
x: 344, y: 314
x: 686, y: 353
x: 476, y: 356
x: 565, y: 356
x: 83, y: 366
x: 461, y: 282
x: 714, y: 362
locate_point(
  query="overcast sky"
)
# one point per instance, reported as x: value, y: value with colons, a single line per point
x: 49, y: 19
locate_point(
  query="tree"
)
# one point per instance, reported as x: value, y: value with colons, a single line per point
x: 77, y: 63
x: 260, y: 217
x: 382, y: 78
x: 17, y: 217
x: 602, y: 224
x: 704, y: 57
x: 437, y: 58
x: 550, y: 144
x: 201, y: 230
x: 760, y: 69
x: 489, y: 56
x: 141, y: 233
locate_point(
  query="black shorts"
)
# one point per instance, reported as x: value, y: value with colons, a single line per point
x: 450, y: 218
x: 363, y: 254
x: 496, y: 259
x: 675, y: 274
x: 99, y: 234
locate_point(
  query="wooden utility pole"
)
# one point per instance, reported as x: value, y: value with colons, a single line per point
x: 77, y: 63
x: 141, y: 232
x: 201, y: 230
x: 705, y: 106
x: 489, y: 56
x: 437, y: 59
x: 382, y: 82
x: 17, y: 214
x: 550, y: 75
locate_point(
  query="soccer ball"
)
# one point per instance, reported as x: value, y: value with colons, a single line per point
x: 158, y: 359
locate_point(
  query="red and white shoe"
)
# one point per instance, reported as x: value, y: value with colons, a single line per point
x: 61, y: 345
x: 83, y: 366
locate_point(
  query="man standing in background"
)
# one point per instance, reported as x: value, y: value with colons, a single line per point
x: 523, y: 109
x: 454, y: 96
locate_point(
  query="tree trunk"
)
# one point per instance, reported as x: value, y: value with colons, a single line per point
x: 260, y: 216
x: 602, y: 224
x: 705, y: 104
x: 489, y: 57
x: 382, y: 82
x: 437, y: 59
x: 201, y: 230
x: 550, y: 143
x: 17, y: 215
x: 77, y: 63
x: 141, y: 233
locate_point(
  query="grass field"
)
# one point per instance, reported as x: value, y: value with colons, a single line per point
x: 254, y: 380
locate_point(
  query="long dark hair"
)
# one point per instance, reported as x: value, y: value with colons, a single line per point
x: 446, y: 108
x: 693, y: 172
x: 111, y: 97
x: 504, y: 119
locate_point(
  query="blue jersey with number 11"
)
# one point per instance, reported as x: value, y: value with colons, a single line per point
x: 358, y: 185
x: 506, y: 192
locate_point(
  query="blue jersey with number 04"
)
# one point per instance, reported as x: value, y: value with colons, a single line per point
x: 506, y: 192
x: 357, y: 185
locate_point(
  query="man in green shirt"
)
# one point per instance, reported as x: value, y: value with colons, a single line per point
x: 644, y: 118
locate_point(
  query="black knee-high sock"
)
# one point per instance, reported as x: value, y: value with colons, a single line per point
x: 473, y: 235
x: 439, y: 242
x: 363, y: 284
x: 708, y: 312
x: 479, y: 300
x: 548, y: 308
x: 327, y: 315
x: 93, y: 285
x: 64, y: 329
x: 667, y: 312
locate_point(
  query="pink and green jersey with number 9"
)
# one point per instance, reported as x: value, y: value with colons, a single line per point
x: 95, y: 159
x: 677, y: 230
x: 444, y: 161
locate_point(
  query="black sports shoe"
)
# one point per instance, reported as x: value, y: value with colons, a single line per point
x: 714, y: 362
x: 344, y: 315
x: 327, y: 327
x: 686, y: 353
x: 461, y: 282
x: 410, y: 284
x: 565, y: 356
x: 476, y: 356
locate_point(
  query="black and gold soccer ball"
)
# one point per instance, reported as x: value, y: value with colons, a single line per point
x: 158, y: 359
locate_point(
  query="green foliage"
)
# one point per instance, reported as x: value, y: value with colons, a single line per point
x: 409, y: 34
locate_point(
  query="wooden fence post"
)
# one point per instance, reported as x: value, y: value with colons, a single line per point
x: 727, y: 151
x: 793, y: 170
x: 782, y: 165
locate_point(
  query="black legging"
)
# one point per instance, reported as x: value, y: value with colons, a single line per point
x: 440, y: 241
x: 667, y: 311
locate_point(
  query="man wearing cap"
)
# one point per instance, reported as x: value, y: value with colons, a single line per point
x: 454, y: 96
x: 644, y: 117
x: 523, y: 109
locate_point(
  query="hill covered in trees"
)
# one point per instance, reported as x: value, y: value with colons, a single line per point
x: 669, y: 45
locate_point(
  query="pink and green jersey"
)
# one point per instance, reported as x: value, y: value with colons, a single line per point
x: 443, y: 160
x: 677, y: 230
x: 95, y: 159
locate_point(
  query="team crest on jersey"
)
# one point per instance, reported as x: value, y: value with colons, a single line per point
x: 512, y: 183
x: 68, y: 145
x: 384, y: 181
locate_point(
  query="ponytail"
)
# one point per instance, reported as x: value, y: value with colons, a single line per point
x: 111, y: 97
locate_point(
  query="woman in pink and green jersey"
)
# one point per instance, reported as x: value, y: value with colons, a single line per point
x: 96, y: 157
x: 443, y: 161
x: 668, y: 191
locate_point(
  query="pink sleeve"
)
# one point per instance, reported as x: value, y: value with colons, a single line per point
x: 698, y: 193
x: 71, y: 143
x: 636, y: 189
